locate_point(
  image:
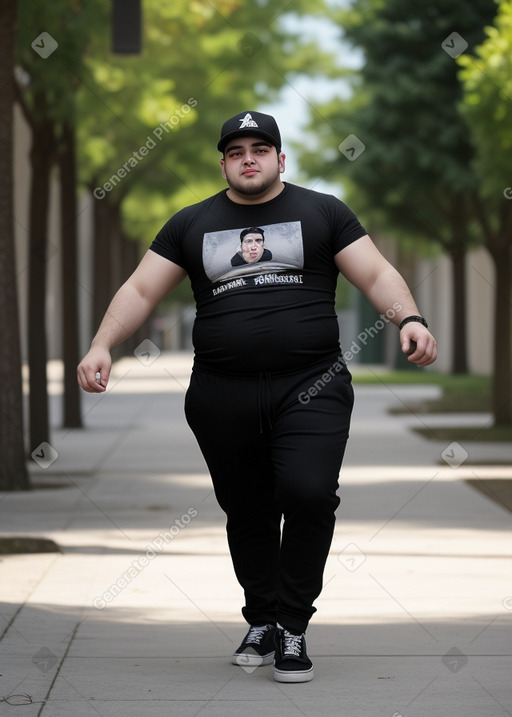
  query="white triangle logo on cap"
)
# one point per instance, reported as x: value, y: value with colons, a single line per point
x: 247, y: 121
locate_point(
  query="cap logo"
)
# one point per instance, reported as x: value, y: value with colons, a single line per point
x: 247, y: 121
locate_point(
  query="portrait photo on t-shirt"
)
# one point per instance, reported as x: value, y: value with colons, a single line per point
x: 253, y: 250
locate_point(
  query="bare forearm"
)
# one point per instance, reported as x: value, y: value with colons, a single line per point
x: 127, y: 312
x: 365, y: 267
x: 391, y: 296
x: 154, y: 278
x: 368, y: 270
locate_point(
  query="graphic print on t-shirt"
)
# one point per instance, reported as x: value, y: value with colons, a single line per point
x: 253, y: 250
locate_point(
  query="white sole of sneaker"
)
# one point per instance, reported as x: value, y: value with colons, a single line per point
x: 294, y: 676
x: 251, y: 660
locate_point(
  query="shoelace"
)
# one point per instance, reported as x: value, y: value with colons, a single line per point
x: 292, y: 644
x: 256, y: 634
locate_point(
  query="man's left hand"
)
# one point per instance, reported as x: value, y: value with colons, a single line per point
x: 418, y: 343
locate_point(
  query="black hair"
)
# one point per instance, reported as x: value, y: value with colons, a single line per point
x: 251, y: 230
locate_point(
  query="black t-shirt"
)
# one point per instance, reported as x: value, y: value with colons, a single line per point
x: 266, y: 314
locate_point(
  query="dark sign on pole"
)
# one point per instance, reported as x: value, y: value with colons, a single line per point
x: 126, y: 26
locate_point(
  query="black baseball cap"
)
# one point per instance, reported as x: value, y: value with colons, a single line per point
x: 250, y: 123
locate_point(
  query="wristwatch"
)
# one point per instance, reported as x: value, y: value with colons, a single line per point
x: 408, y: 319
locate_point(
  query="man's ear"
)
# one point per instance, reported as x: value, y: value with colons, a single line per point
x: 222, y: 165
x: 281, y: 161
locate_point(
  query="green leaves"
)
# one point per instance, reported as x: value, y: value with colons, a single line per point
x: 487, y: 102
x: 201, y: 63
x: 406, y: 110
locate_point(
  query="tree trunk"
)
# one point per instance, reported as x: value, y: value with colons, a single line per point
x: 459, y: 329
x: 502, y: 374
x: 459, y: 323
x: 115, y: 257
x: 458, y: 248
x: 69, y: 273
x: 499, y: 245
x: 117, y: 273
x: 41, y: 161
x: 13, y: 470
x: 101, y: 261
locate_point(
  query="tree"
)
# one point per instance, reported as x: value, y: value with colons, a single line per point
x: 50, y: 62
x: 66, y: 158
x: 487, y: 83
x: 13, y: 471
x: 413, y: 177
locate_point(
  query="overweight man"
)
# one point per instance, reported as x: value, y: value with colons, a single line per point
x: 265, y: 333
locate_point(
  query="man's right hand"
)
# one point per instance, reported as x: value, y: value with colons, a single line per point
x: 97, y: 361
x: 154, y: 278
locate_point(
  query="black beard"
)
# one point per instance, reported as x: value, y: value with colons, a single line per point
x: 250, y: 191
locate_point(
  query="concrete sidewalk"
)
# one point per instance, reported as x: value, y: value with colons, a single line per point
x: 140, y: 611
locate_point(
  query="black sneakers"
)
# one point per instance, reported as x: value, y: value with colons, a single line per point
x: 257, y: 647
x: 291, y: 663
x: 266, y: 643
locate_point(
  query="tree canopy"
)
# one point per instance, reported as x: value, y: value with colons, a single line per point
x: 487, y: 106
x: 152, y: 121
x: 487, y: 92
x: 405, y: 112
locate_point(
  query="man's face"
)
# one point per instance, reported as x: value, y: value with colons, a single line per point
x: 252, y: 247
x: 251, y: 166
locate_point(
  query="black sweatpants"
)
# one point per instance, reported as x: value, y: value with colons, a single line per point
x: 274, y: 445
